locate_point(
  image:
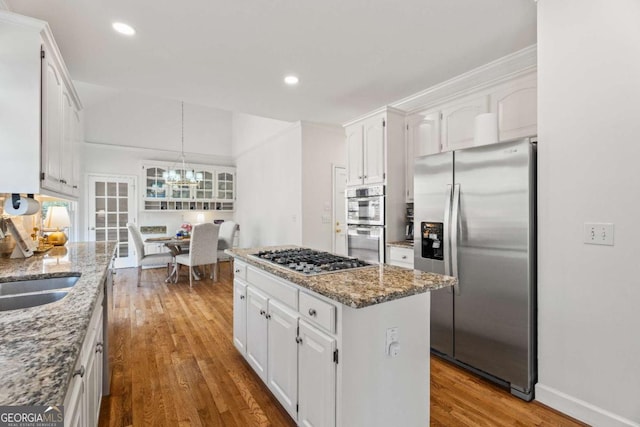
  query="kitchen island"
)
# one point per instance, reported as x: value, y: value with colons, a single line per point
x: 343, y: 348
x: 40, y: 347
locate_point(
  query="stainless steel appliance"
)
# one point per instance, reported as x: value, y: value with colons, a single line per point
x: 365, y: 206
x: 309, y: 261
x: 366, y: 242
x: 475, y: 210
x: 365, y: 223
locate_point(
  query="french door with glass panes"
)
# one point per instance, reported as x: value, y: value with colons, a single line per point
x: 112, y: 204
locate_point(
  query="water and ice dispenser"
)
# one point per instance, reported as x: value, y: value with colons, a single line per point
x: 432, y: 240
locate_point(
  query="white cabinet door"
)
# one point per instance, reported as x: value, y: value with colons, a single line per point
x: 283, y: 356
x: 51, y: 123
x: 458, y: 123
x: 257, y: 332
x: 316, y: 378
x: 354, y: 155
x: 240, y: 316
x: 423, y: 138
x: 78, y: 138
x: 374, y: 131
x: 517, y: 110
x: 67, y: 146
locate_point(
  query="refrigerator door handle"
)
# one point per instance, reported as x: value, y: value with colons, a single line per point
x: 447, y: 234
x: 455, y: 212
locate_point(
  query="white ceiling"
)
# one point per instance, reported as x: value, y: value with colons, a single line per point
x: 352, y: 56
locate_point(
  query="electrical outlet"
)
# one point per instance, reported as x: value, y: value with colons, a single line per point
x: 596, y: 233
x: 391, y: 338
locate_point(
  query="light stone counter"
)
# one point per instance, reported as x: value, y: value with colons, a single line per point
x: 355, y: 288
x: 39, y: 345
x: 407, y: 244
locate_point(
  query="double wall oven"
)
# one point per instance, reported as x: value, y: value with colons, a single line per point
x: 365, y: 220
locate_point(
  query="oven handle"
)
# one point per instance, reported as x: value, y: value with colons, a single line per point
x: 364, y: 199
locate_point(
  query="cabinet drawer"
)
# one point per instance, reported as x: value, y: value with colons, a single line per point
x: 402, y: 257
x: 276, y: 288
x: 239, y: 270
x: 318, y: 311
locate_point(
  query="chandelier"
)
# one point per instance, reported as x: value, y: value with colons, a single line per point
x: 177, y: 175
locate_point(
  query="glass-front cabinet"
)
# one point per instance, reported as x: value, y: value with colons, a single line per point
x: 214, y: 189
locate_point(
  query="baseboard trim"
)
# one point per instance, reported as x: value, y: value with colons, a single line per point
x: 580, y: 409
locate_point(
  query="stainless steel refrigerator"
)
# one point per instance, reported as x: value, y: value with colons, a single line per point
x: 475, y: 218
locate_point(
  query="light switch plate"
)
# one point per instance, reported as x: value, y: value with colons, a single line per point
x: 598, y: 233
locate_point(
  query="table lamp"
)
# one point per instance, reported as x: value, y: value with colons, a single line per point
x: 57, y: 218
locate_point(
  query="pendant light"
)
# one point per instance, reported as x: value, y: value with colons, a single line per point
x: 182, y: 176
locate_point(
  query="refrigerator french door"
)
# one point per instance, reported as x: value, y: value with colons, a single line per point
x: 483, y: 200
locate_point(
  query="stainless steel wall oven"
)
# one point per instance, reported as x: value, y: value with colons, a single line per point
x: 365, y: 219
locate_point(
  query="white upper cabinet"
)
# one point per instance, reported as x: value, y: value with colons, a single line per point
x: 517, y: 110
x: 52, y: 123
x: 365, y: 151
x: 354, y: 155
x: 44, y: 124
x: 374, y: 136
x: 423, y: 137
x: 458, y: 123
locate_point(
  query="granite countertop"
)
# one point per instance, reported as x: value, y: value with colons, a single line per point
x: 39, y: 346
x: 402, y: 244
x: 355, y: 288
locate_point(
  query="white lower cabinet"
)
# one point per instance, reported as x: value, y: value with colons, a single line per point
x: 240, y: 316
x: 84, y: 395
x: 295, y: 340
x: 401, y: 257
x: 316, y: 377
x: 282, y: 356
x: 257, y: 328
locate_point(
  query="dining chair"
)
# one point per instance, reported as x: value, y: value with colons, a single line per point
x: 228, y: 230
x: 144, y: 259
x: 202, y: 250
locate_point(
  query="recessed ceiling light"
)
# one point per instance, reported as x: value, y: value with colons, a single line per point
x: 123, y: 28
x: 291, y: 80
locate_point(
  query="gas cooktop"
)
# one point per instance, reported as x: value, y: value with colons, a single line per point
x: 310, y: 262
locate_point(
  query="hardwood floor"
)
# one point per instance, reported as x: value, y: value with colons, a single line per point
x: 174, y: 364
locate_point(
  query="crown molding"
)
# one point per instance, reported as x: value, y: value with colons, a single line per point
x: 508, y: 67
x: 386, y: 109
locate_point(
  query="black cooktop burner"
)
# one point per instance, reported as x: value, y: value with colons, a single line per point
x: 309, y: 261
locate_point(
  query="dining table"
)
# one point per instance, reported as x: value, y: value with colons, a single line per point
x: 177, y: 246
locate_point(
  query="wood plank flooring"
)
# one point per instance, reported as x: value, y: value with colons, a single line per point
x: 174, y: 364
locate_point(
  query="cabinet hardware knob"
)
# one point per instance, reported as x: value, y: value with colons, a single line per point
x: 241, y: 296
x: 262, y: 312
x: 237, y: 270
x: 98, y: 349
x: 404, y: 257
x: 79, y: 372
x: 312, y: 312
x: 268, y: 316
x: 299, y: 340
x: 75, y: 186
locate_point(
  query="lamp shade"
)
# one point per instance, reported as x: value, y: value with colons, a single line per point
x: 57, y: 217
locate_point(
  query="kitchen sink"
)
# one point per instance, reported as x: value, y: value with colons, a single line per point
x: 15, y: 302
x: 34, y: 292
x: 37, y: 285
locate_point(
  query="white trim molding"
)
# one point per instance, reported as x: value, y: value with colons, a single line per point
x: 501, y: 70
x: 580, y: 409
x: 4, y: 6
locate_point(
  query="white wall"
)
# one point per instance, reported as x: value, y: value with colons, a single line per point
x: 589, y: 151
x: 136, y: 120
x: 268, y: 207
x: 124, y: 128
x: 250, y: 130
x: 322, y: 147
